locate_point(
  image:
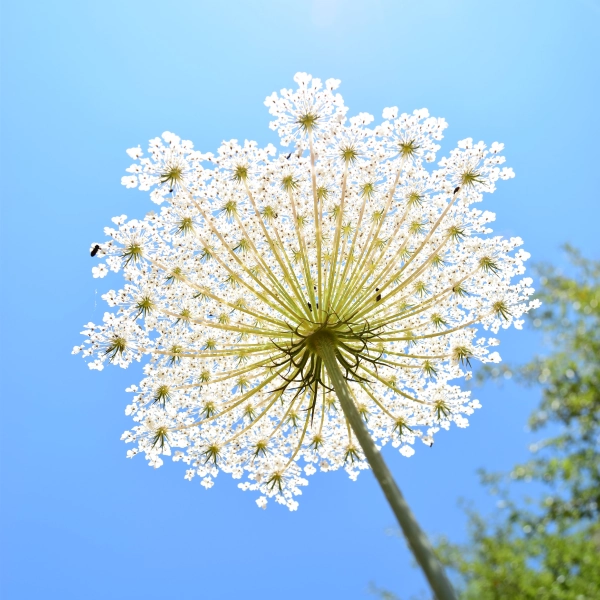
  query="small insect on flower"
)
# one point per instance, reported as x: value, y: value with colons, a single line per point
x: 95, y: 250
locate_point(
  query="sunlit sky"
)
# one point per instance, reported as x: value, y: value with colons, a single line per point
x: 81, y: 82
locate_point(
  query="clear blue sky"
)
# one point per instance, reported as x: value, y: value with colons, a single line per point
x: 84, y: 80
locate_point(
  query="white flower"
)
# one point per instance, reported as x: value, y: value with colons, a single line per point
x: 262, y: 502
x: 310, y: 108
x: 251, y: 259
x: 129, y: 181
x: 407, y: 451
x: 135, y: 153
x: 99, y: 271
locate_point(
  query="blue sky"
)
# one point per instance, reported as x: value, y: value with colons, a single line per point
x: 83, y: 81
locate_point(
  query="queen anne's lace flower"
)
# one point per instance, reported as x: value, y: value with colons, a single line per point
x: 256, y: 251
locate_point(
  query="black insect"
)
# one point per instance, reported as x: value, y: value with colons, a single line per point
x: 288, y: 156
x: 378, y: 295
x: 95, y: 250
x: 309, y: 306
x: 457, y: 189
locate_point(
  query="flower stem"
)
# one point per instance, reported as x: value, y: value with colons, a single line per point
x: 415, y: 536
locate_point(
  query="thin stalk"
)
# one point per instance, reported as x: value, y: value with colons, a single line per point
x: 336, y: 241
x: 347, y: 262
x: 289, y: 275
x: 415, y: 536
x: 303, y: 249
x: 318, y: 217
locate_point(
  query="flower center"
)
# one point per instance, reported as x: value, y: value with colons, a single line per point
x: 321, y: 336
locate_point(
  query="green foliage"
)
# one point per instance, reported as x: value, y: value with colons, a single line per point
x: 549, y: 550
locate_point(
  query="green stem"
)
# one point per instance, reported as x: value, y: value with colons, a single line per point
x: 324, y: 345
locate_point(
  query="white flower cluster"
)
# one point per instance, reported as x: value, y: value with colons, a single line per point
x: 254, y: 250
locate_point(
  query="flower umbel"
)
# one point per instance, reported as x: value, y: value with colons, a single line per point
x: 258, y: 259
